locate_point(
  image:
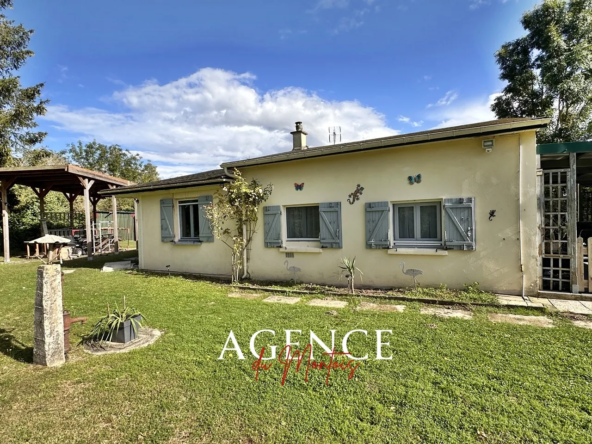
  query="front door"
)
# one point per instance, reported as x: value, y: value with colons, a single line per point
x: 557, y: 243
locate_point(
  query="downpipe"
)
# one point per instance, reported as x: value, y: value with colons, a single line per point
x: 520, y: 216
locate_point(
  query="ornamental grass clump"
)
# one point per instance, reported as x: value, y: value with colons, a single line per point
x: 348, y: 268
x: 108, y: 326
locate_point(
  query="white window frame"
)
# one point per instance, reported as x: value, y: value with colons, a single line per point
x: 184, y: 203
x: 301, y: 239
x: 420, y: 242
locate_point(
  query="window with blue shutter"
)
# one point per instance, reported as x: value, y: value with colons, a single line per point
x: 272, y: 226
x: 377, y: 225
x: 166, y: 220
x: 205, y: 227
x: 330, y: 222
x: 459, y: 225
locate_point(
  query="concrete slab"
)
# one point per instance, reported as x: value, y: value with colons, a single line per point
x: 446, y: 312
x: 68, y: 271
x: 244, y: 295
x: 327, y: 303
x: 512, y: 300
x: 542, y: 301
x: 380, y: 307
x: 570, y: 306
x: 587, y: 304
x: 537, y: 321
x: 114, y: 266
x: 146, y: 337
x: 282, y: 300
x: 583, y: 324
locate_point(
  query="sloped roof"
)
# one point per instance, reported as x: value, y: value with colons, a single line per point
x: 211, y: 177
x: 488, y: 128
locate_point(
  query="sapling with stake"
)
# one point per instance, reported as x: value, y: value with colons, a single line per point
x: 348, y: 268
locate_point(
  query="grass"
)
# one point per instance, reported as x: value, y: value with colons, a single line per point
x: 463, y: 381
x: 470, y: 294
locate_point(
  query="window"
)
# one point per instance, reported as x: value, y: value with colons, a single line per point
x: 189, y: 220
x: 303, y: 223
x: 418, y: 223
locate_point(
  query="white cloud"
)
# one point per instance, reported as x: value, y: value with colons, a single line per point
x: 408, y: 121
x: 462, y: 114
x: 352, y: 22
x: 213, y: 116
x: 329, y: 4
x: 476, y: 4
x: 448, y: 98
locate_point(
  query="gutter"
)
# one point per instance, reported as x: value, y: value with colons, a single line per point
x: 155, y: 187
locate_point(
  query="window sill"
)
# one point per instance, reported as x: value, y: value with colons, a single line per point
x: 418, y: 251
x: 300, y: 250
x: 187, y: 242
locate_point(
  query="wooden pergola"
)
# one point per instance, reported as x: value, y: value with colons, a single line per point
x: 70, y: 180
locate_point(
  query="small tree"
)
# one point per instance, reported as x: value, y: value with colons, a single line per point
x: 234, y: 214
x: 348, y: 267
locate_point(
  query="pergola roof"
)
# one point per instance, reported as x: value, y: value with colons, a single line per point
x: 60, y: 178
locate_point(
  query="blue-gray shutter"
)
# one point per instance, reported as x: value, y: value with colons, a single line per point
x: 166, y: 220
x: 272, y: 224
x: 205, y: 227
x: 459, y: 225
x: 330, y: 220
x: 377, y: 224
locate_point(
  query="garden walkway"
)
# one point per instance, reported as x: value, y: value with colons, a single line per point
x: 578, y: 308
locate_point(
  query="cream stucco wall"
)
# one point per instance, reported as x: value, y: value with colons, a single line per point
x: 210, y: 258
x: 459, y: 168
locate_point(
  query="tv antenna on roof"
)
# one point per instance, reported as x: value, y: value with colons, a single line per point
x: 334, y: 134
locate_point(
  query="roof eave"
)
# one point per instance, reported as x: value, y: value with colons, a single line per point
x: 397, y: 142
x: 140, y: 189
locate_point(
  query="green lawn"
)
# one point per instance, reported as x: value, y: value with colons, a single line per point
x: 463, y: 381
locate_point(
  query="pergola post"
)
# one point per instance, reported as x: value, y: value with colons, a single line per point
x: 71, y: 197
x: 136, y: 223
x: 86, y: 185
x: 4, y: 186
x: 115, y: 223
x: 41, y: 193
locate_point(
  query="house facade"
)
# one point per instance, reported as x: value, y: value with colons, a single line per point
x: 460, y: 204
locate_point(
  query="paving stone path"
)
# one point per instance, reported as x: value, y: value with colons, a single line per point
x: 244, y: 295
x: 282, y: 300
x: 446, y: 312
x: 327, y: 303
x: 578, y: 307
x: 380, y: 307
x: 537, y: 321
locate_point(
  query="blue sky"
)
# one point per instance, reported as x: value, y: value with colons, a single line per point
x: 191, y: 84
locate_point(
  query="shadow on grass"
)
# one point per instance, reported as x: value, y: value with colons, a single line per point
x: 97, y: 262
x: 13, y: 348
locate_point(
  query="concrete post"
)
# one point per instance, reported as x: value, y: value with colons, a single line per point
x: 48, y: 348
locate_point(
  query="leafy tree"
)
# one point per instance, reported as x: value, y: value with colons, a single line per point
x: 18, y: 106
x: 112, y: 160
x: 234, y: 214
x: 549, y: 70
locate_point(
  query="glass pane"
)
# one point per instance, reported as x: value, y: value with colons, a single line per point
x: 428, y: 219
x: 303, y: 222
x: 185, y: 213
x: 406, y: 223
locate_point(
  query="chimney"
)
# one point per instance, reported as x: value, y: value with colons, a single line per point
x: 299, y: 138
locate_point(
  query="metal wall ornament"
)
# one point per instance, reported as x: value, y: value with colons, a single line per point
x: 414, y: 179
x: 353, y: 197
x: 299, y: 186
x: 491, y: 214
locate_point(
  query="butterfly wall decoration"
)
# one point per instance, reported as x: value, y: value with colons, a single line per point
x: 299, y: 186
x: 414, y: 179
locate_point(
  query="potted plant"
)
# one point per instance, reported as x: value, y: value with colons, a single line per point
x: 117, y: 326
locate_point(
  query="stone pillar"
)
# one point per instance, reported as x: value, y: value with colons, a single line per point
x: 48, y: 336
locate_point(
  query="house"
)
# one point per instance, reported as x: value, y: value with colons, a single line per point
x: 462, y: 204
